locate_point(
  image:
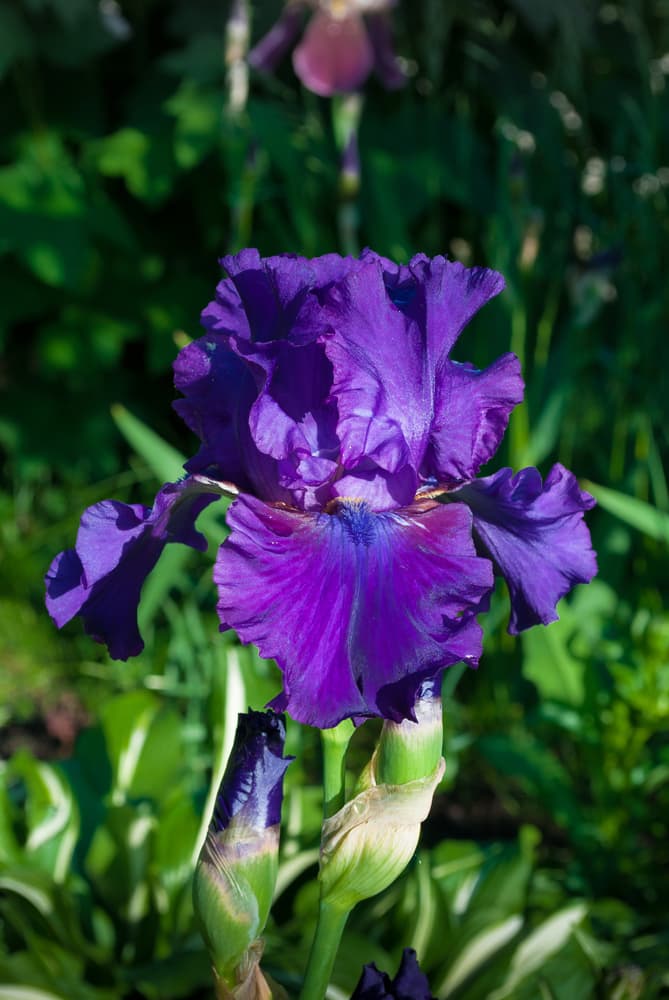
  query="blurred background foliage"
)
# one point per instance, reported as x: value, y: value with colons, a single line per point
x: 532, y: 137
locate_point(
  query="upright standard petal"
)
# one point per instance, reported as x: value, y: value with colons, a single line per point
x: 381, y: 382
x: 357, y: 608
x: 399, y: 395
x: 219, y: 392
x: 446, y: 295
x: 265, y: 314
x: 335, y: 55
x: 117, y: 546
x: 536, y: 536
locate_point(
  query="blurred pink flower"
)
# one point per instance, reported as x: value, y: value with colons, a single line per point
x: 343, y: 42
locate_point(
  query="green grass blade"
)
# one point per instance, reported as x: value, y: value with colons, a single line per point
x: 637, y: 513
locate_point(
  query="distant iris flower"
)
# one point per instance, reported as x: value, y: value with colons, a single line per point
x: 362, y: 544
x: 344, y: 41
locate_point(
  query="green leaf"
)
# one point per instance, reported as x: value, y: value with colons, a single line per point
x: 538, y: 947
x: 637, y: 513
x: 51, y: 815
x: 165, y: 462
x: 548, y: 663
x: 144, y: 745
x: 477, y: 952
x: 11, y: 991
x: 198, y: 122
x: 539, y: 772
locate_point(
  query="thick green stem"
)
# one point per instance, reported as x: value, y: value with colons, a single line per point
x: 335, y: 745
x: 329, y: 929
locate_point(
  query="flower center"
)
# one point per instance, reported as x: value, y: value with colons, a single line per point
x: 357, y: 517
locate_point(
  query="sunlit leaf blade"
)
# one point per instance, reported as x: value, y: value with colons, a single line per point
x: 165, y: 462
x: 637, y: 513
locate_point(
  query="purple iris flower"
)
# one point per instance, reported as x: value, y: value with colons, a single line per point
x: 362, y: 544
x: 409, y: 983
x: 345, y: 40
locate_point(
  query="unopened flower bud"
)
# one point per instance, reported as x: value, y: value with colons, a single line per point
x: 369, y: 842
x: 236, y: 871
x: 412, y: 749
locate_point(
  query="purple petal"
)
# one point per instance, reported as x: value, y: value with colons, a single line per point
x: 386, y: 65
x: 263, y: 299
x: 447, y: 295
x: 409, y: 983
x: 335, y: 55
x: 373, y: 985
x: 357, y: 608
x: 536, y: 536
x: 117, y: 547
x: 390, y: 330
x: 219, y: 392
x: 381, y: 382
x: 382, y: 490
x: 271, y: 49
x: 253, y: 781
x: 265, y: 314
x: 471, y: 413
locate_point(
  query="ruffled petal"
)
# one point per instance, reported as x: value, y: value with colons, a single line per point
x: 335, y: 55
x: 265, y: 300
x: 117, y: 546
x: 266, y: 314
x: 219, y: 393
x: 357, y: 608
x: 391, y: 328
x: 536, y: 535
x: 381, y: 381
x: 471, y: 413
x: 442, y: 296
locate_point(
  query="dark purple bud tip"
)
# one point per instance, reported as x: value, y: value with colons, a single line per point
x: 409, y: 983
x: 252, y: 786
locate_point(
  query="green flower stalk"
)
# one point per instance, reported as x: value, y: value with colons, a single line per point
x: 236, y: 872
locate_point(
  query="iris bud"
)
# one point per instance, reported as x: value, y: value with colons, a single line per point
x: 236, y: 871
x: 368, y: 843
x: 412, y: 749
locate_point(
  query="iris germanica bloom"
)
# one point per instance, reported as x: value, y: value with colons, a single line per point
x: 409, y: 983
x: 345, y: 40
x: 362, y: 544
